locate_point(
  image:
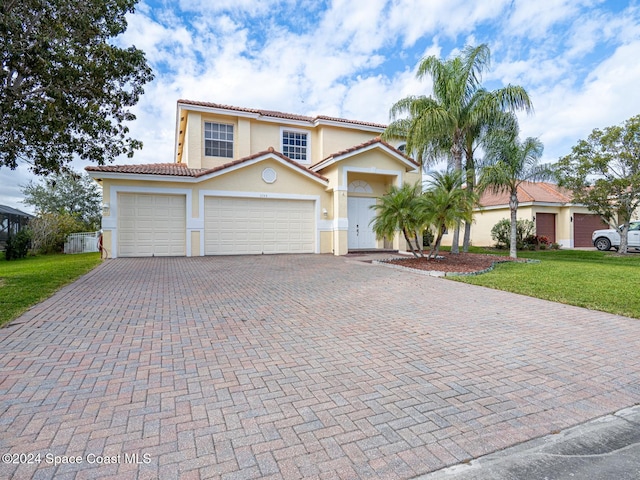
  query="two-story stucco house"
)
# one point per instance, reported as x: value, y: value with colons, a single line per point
x: 247, y: 181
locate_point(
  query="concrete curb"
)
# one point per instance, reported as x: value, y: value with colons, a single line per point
x: 604, y: 448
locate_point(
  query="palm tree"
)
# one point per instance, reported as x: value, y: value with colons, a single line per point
x: 477, y: 135
x: 446, y: 203
x: 399, y: 209
x: 449, y: 120
x: 511, y: 163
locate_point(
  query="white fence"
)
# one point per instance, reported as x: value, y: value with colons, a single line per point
x: 82, y: 242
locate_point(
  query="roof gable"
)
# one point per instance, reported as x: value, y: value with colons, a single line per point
x: 375, y: 143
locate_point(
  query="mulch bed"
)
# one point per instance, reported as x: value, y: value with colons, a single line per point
x: 461, y: 263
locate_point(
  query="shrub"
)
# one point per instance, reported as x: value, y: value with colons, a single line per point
x: 18, y: 245
x: 50, y: 230
x: 427, y: 237
x: 501, y: 233
x: 542, y: 240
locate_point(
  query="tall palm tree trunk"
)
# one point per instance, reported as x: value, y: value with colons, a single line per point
x: 456, y: 152
x: 513, y: 206
x: 471, y: 185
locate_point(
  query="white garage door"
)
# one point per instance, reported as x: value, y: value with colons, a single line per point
x: 235, y: 226
x: 151, y: 225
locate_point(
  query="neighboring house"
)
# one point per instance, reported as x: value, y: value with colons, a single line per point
x: 12, y: 221
x: 547, y: 205
x: 247, y: 181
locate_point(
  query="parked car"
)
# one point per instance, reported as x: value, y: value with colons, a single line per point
x: 605, y: 239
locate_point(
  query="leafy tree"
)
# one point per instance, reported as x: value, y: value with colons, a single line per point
x: 65, y: 88
x: 446, y: 203
x: 50, y: 230
x: 400, y: 209
x: 512, y: 163
x: 67, y: 193
x: 603, y: 172
x: 456, y: 115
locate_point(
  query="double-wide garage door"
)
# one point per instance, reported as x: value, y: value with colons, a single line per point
x: 151, y: 225
x: 235, y: 226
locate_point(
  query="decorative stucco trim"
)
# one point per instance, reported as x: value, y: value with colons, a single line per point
x: 397, y: 173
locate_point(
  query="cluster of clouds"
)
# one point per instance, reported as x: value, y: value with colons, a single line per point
x: 354, y: 59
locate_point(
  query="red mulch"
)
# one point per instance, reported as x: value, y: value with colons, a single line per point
x: 460, y: 263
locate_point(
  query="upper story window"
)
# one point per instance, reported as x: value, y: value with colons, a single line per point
x: 218, y: 140
x: 295, y: 145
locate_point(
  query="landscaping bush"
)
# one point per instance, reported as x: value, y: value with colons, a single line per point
x: 17, y: 245
x: 50, y: 231
x: 501, y: 233
x: 427, y: 237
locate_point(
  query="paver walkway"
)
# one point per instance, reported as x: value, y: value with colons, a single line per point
x: 294, y: 366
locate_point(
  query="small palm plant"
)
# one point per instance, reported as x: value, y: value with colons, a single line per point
x: 400, y: 209
x: 445, y: 204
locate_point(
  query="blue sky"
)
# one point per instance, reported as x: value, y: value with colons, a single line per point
x: 578, y: 59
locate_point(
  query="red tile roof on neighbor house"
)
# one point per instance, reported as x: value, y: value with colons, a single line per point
x: 182, y: 170
x: 528, y: 192
x: 276, y: 114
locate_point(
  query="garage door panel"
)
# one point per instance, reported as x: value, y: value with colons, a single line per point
x: 258, y: 225
x: 150, y: 224
x: 583, y: 226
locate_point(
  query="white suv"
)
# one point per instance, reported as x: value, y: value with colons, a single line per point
x: 605, y: 239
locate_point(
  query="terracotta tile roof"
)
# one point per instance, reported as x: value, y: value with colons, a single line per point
x: 366, y: 144
x: 276, y: 114
x: 181, y: 169
x: 173, y: 169
x: 529, y: 192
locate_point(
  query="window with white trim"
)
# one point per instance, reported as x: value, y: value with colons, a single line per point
x: 218, y: 140
x: 295, y: 145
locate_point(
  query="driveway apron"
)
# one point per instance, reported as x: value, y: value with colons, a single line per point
x: 283, y: 367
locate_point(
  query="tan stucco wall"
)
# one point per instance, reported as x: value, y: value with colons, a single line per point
x: 194, y: 141
x: 334, y: 139
x: 483, y: 222
x: 255, y: 135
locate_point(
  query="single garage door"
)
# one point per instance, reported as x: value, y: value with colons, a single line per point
x: 151, y: 225
x: 583, y: 226
x: 235, y: 226
x: 546, y: 225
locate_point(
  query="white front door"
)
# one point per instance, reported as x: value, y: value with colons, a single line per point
x: 360, y: 215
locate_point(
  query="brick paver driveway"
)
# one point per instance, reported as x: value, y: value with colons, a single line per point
x: 295, y: 366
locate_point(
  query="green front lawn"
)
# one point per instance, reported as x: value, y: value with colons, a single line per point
x: 596, y: 280
x: 27, y: 281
